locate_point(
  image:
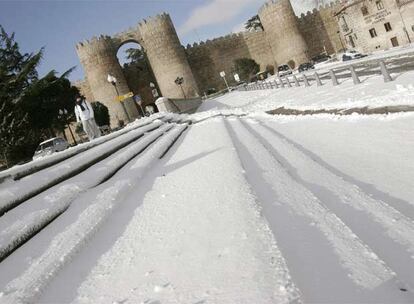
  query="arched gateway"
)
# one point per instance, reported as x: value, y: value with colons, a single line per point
x: 158, y: 37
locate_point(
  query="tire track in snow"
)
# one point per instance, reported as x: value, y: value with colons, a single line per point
x: 34, y: 184
x: 21, y: 224
x: 188, y: 245
x: 27, y: 287
x: 389, y: 232
x: 19, y: 172
x: 363, y: 266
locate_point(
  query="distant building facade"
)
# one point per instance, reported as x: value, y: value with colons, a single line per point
x: 365, y: 25
x: 370, y: 25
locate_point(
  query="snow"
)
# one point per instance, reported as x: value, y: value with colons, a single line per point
x: 22, y: 170
x: 225, y: 256
x: 386, y: 55
x: 227, y: 205
x: 372, y: 92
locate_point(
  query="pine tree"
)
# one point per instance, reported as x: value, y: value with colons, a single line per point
x: 246, y: 68
x: 254, y: 24
x: 17, y: 73
x: 31, y: 109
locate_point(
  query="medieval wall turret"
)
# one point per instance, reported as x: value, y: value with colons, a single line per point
x: 282, y: 31
x: 167, y: 57
x: 320, y: 29
x: 98, y: 58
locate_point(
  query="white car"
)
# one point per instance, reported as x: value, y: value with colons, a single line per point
x: 284, y: 70
x: 50, y: 146
x: 351, y: 55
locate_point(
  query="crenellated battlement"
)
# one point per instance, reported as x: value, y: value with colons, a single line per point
x: 155, y: 21
x: 215, y: 42
x: 100, y: 44
x: 322, y: 9
x: 267, y: 4
x: 105, y: 42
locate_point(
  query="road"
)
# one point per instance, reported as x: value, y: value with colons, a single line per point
x: 227, y: 210
x: 397, y: 64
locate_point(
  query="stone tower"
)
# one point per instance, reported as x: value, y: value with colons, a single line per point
x: 167, y: 56
x: 98, y: 58
x: 158, y: 38
x: 282, y: 31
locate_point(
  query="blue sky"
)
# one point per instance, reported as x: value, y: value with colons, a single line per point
x: 58, y: 25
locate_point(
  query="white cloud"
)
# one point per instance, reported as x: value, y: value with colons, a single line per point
x: 239, y: 28
x: 215, y: 12
x: 220, y: 11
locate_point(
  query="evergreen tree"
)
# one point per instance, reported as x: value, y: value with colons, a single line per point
x: 254, y: 24
x: 135, y: 55
x: 246, y: 68
x: 31, y: 109
x: 17, y: 73
x: 50, y: 103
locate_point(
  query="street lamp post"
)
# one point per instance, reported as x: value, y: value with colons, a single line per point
x: 112, y: 80
x: 63, y: 114
x: 138, y: 100
x: 179, y: 81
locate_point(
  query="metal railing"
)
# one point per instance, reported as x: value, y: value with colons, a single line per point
x: 333, y: 75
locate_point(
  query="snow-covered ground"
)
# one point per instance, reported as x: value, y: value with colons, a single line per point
x: 237, y: 207
x: 372, y: 92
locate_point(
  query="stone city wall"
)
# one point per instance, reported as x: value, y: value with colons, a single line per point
x: 208, y: 59
x: 320, y: 30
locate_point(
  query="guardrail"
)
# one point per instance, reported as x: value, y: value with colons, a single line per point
x: 308, y: 79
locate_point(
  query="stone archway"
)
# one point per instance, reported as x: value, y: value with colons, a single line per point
x: 166, y: 56
x: 138, y: 73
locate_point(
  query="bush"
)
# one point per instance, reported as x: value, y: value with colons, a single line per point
x: 270, y: 69
x: 101, y: 114
x: 246, y: 68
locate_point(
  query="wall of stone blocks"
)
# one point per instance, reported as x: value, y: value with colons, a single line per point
x: 167, y: 56
x: 98, y: 57
x: 84, y: 89
x: 259, y: 49
x: 320, y: 30
x: 208, y: 59
x: 282, y: 31
x: 407, y: 12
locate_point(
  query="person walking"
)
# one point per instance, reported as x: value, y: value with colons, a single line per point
x: 84, y: 113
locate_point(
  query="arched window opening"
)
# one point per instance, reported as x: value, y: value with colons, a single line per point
x: 138, y: 74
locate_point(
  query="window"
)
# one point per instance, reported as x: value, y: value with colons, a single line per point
x: 373, y: 33
x: 351, y: 41
x: 364, y: 11
x: 380, y: 5
x: 345, y: 27
x: 387, y: 26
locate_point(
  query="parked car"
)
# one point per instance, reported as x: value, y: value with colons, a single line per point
x: 210, y: 91
x: 321, y: 58
x: 262, y: 75
x: 284, y: 70
x: 50, y: 146
x: 305, y: 67
x: 351, y: 55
